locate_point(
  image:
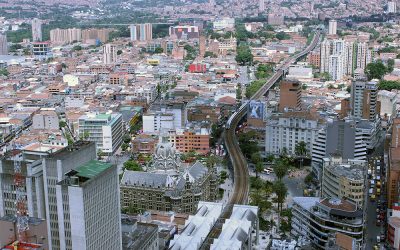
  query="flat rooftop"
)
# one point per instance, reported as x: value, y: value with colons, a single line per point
x: 92, y: 169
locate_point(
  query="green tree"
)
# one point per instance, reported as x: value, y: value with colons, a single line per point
x: 243, y: 55
x: 375, y: 70
x: 390, y: 65
x: 119, y: 52
x: 3, y: 72
x: 77, y: 48
x: 282, y: 36
x: 132, y: 166
x: 301, y: 151
x: 256, y: 157
x: 258, y: 168
x: 62, y: 124
x: 281, y: 168
x: 281, y: 192
x: 159, y: 50
x: 124, y: 146
x: 211, y: 161
x: 389, y: 85
x: 210, y: 54
x: 308, y: 179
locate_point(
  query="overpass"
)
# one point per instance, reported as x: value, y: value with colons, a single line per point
x: 240, y: 169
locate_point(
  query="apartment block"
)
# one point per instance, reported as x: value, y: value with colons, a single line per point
x: 290, y: 95
x: 364, y: 100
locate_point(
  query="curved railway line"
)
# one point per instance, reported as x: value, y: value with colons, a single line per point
x: 240, y: 170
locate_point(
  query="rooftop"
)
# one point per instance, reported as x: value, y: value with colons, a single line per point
x: 92, y: 169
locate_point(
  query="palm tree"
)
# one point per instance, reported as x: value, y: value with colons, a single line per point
x: 211, y: 161
x: 256, y: 157
x: 268, y: 189
x: 281, y: 168
x: 301, y: 151
x: 281, y: 192
x: 259, y: 168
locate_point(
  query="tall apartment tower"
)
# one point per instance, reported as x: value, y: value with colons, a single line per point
x: 364, y: 100
x: 109, y: 54
x: 336, y: 67
x: 325, y: 53
x: 134, y: 31
x: 89, y: 207
x: 364, y: 55
x: 36, y: 30
x: 261, y: 6
x: 392, y: 7
x: 332, y: 28
x: 3, y: 44
x: 146, y: 32
x: 290, y: 95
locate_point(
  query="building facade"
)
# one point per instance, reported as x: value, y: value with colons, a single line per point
x: 288, y: 129
x: 344, y: 179
x: 319, y: 220
x: 36, y: 30
x: 168, y: 184
x: 290, y: 95
x: 364, y: 100
x: 106, y: 130
x: 88, y: 207
x: 3, y: 44
x: 109, y: 54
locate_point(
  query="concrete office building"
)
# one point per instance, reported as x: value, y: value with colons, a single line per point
x: 36, y: 30
x: 332, y: 28
x: 185, y: 32
x: 54, y: 168
x: 392, y: 162
x: 224, y: 23
x: 338, y: 137
x: 167, y: 117
x: 275, y: 19
x: 106, y: 130
x: 288, y: 129
x: 88, y: 207
x: 344, y: 179
x: 290, y: 95
x: 319, y: 220
x: 95, y: 36
x: 3, y: 44
x: 139, y: 235
x: 364, y: 100
x: 387, y: 102
x: 191, y: 139
x: 109, y: 54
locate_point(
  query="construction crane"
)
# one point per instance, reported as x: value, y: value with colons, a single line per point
x: 21, y: 211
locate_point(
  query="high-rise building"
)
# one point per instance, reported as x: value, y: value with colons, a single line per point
x: 290, y: 95
x: 344, y: 178
x: 363, y: 56
x: 134, y: 31
x: 392, y: 7
x: 3, y: 44
x: 96, y: 36
x: 336, y: 67
x: 109, y: 54
x: 88, y: 207
x: 332, y: 29
x: 105, y: 130
x: 325, y: 53
x: 54, y: 168
x: 261, y: 6
x: 393, y: 164
x: 341, y: 137
x: 36, y: 30
x: 146, y: 32
x: 364, y: 100
x: 288, y: 129
x: 320, y: 220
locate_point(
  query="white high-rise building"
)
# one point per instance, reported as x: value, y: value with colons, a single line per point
x: 36, y: 30
x: 89, y: 207
x: 364, y: 100
x: 61, y: 36
x: 109, y: 54
x: 364, y: 55
x: 336, y: 67
x: 392, y: 7
x: 134, y: 32
x: 332, y: 29
x: 3, y: 44
x: 262, y: 5
x: 325, y: 53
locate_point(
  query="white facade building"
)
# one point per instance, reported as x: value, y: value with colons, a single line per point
x: 104, y: 129
x: 336, y: 67
x: 89, y: 207
x: 392, y: 7
x: 288, y: 129
x: 224, y: 23
x: 109, y: 54
x: 388, y: 101
x: 46, y: 119
x: 3, y: 44
x: 332, y: 29
x: 36, y: 30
